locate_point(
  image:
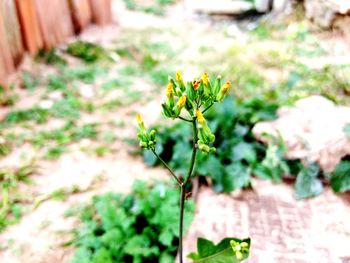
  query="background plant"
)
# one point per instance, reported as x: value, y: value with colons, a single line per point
x: 10, y: 196
x: 189, y: 102
x: 139, y: 227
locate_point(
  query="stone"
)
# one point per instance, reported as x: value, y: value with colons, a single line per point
x: 262, y: 6
x: 220, y: 7
x: 324, y: 12
x: 282, y: 229
x: 312, y: 130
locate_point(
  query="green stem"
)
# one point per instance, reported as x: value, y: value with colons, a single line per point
x: 207, y: 108
x: 184, y: 119
x: 180, y: 183
x: 183, y: 187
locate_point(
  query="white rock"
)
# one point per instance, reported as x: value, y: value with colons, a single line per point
x: 55, y: 95
x: 86, y: 91
x: 46, y: 104
x: 262, y: 5
x: 323, y: 12
x: 312, y: 130
x: 221, y: 7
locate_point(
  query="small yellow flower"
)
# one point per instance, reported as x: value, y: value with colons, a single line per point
x: 195, y: 84
x: 181, y: 101
x: 139, y: 118
x: 226, y: 87
x: 170, y: 90
x: 179, y: 77
x: 200, y: 117
x: 205, y: 78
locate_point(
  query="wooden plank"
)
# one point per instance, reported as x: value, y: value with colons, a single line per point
x: 101, y: 11
x: 12, y: 29
x: 29, y: 25
x: 81, y: 13
x: 6, y: 61
x: 55, y: 21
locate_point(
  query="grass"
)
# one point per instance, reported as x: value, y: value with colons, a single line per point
x: 7, y: 97
x: 11, y: 197
x: 156, y: 7
x: 51, y: 57
x: 88, y: 52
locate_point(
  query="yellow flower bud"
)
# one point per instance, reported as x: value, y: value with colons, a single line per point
x: 179, y: 77
x: 170, y: 90
x: 223, y: 91
x: 226, y: 87
x: 195, y: 84
x: 200, y: 117
x: 139, y: 118
x: 239, y: 255
x: 181, y: 102
x: 205, y: 78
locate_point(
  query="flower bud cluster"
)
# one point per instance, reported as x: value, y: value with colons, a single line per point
x: 147, y: 139
x: 189, y: 96
x: 240, y: 249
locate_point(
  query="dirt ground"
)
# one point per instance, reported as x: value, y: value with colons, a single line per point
x: 282, y: 229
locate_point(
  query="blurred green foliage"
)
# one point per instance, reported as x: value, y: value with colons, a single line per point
x: 11, y: 196
x: 88, y: 52
x: 139, y: 227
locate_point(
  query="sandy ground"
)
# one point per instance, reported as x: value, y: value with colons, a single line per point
x: 281, y: 228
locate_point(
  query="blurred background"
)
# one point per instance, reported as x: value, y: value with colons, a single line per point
x: 75, y: 187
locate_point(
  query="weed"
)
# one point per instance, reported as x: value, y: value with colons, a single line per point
x: 36, y: 114
x: 66, y: 108
x: 89, y: 52
x: 120, y: 82
x: 138, y: 227
x: 7, y: 97
x: 10, y: 180
x: 55, y: 152
x: 29, y: 81
x: 189, y: 101
x: 56, y: 82
x: 101, y: 150
x: 50, y: 57
x: 85, y: 74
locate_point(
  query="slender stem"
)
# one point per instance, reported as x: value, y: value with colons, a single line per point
x: 194, y: 150
x: 183, y: 188
x: 207, y: 108
x: 169, y: 169
x: 182, y: 208
x: 184, y: 119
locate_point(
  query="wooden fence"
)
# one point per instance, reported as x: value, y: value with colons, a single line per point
x: 31, y: 25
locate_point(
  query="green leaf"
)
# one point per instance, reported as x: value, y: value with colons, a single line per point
x: 102, y: 256
x: 307, y: 184
x: 223, y: 252
x: 166, y: 258
x: 238, y: 176
x: 166, y: 237
x: 340, y: 180
x: 244, y: 151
